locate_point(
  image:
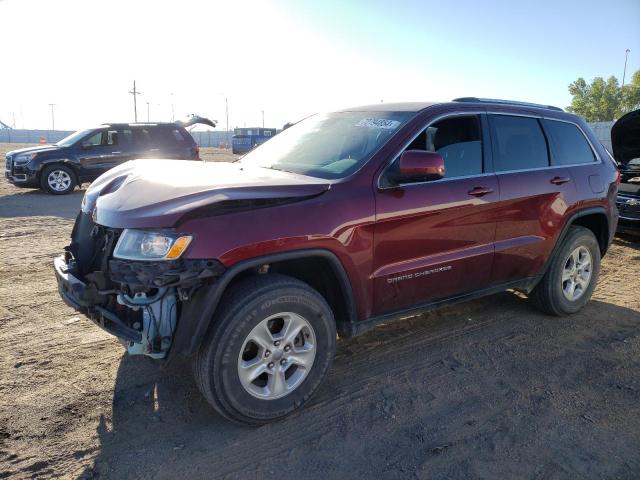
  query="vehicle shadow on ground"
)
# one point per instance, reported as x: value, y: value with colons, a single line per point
x: 468, y: 358
x: 626, y: 240
x: 36, y: 203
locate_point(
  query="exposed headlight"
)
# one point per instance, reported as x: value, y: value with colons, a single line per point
x: 23, y: 158
x: 146, y: 245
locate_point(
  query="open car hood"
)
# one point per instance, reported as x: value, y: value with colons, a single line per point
x: 159, y: 193
x: 625, y: 138
x: 195, y: 119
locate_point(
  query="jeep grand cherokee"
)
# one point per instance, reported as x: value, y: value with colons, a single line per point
x: 341, y: 222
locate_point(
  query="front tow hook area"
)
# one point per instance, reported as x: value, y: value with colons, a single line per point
x: 72, y: 290
x: 79, y: 296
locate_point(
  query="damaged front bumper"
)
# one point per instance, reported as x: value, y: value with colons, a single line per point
x: 138, y: 302
x: 85, y: 298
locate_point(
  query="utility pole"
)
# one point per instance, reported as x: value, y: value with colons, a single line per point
x: 172, y: 113
x: 262, y: 118
x: 135, y: 93
x: 147, y: 112
x: 626, y: 56
x: 226, y: 107
x: 53, y: 118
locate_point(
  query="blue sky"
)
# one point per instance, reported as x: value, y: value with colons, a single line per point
x: 293, y: 58
x: 532, y: 48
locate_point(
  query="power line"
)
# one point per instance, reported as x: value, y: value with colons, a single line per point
x: 135, y: 93
x: 53, y: 118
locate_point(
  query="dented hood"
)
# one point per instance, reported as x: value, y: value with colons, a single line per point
x: 158, y: 193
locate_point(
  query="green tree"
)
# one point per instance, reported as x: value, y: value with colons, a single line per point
x: 631, y: 94
x: 599, y: 101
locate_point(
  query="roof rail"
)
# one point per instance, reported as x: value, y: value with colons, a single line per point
x: 505, y: 102
x: 125, y: 124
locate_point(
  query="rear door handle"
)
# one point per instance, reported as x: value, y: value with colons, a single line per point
x: 480, y: 191
x: 560, y: 180
x: 116, y: 153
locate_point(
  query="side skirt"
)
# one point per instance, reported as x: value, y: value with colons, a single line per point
x: 358, y: 328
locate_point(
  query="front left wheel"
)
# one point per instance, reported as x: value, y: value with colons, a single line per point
x: 272, y: 342
x: 58, y: 180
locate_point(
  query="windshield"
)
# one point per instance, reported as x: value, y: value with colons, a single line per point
x: 73, y: 138
x: 331, y: 145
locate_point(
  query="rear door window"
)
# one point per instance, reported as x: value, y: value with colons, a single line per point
x: 126, y: 138
x: 568, y: 144
x: 141, y: 138
x: 519, y: 143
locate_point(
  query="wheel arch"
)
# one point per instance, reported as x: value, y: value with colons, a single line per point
x: 332, y: 283
x: 594, y: 219
x: 57, y: 161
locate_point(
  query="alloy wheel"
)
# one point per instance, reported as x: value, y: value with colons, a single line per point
x: 59, y: 180
x: 576, y: 273
x: 277, y: 356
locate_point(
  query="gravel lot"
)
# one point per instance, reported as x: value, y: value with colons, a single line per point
x: 489, y: 389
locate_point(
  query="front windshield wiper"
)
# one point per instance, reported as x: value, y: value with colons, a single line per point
x: 282, y: 170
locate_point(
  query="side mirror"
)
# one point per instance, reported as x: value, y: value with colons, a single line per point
x: 421, y: 165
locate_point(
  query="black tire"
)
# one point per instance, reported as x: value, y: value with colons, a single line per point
x: 548, y: 295
x: 65, y: 172
x: 244, y: 306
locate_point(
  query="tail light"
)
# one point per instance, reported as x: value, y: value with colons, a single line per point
x: 618, y: 177
x: 197, y: 150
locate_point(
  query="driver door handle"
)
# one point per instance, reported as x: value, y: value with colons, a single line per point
x: 480, y: 191
x: 560, y: 180
x: 116, y: 153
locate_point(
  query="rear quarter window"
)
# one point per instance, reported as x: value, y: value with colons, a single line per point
x: 519, y: 143
x: 568, y: 144
x: 170, y: 136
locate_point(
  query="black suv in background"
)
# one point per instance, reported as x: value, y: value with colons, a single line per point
x: 86, y: 154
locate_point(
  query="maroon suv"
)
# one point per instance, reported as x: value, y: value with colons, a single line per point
x: 341, y: 222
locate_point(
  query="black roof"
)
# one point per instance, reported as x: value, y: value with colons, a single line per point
x: 497, y: 101
x: 418, y: 106
x: 135, y: 124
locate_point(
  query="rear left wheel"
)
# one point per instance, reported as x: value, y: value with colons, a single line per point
x: 572, y: 275
x: 272, y: 343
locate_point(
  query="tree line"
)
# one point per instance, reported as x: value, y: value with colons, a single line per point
x: 602, y: 101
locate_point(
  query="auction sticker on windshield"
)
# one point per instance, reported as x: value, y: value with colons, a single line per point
x: 380, y: 123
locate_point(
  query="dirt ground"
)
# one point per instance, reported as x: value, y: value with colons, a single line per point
x: 489, y: 389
